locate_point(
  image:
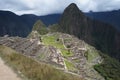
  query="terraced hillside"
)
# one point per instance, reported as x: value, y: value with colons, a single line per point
x: 62, y: 51
x: 30, y: 69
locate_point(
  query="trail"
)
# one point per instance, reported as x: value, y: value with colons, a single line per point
x: 7, y: 73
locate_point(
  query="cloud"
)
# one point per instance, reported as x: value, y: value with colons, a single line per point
x: 43, y: 7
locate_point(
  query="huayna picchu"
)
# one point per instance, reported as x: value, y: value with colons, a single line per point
x: 101, y: 35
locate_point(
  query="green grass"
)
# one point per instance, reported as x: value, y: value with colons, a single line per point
x: 32, y: 69
x: 52, y: 40
x: 66, y: 53
x: 70, y: 65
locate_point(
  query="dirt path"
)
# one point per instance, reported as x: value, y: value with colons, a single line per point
x: 7, y: 73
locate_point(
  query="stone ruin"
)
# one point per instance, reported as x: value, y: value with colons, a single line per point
x: 33, y: 47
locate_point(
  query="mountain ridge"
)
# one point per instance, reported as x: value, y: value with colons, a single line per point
x: 15, y: 25
x: 111, y: 17
x: 27, y: 20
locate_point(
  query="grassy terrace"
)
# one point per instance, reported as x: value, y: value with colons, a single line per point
x: 70, y: 65
x: 52, y: 40
x: 31, y: 69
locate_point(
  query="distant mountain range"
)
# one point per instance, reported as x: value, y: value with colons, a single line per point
x: 111, y: 17
x: 15, y: 25
x: 12, y: 24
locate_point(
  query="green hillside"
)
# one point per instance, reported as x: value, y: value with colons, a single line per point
x: 109, y: 68
x: 40, y: 27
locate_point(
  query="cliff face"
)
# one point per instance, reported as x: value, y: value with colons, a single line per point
x: 103, y: 36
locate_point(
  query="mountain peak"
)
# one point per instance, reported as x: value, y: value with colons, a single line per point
x: 72, y: 8
x: 73, y: 11
x: 70, y: 19
x: 72, y: 5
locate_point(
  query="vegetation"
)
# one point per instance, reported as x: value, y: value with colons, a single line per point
x: 91, y: 53
x: 110, y: 68
x: 52, y: 40
x: 32, y: 69
x: 69, y: 65
x: 54, y: 28
x: 40, y: 27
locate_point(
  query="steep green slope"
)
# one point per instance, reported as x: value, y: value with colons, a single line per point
x: 109, y: 68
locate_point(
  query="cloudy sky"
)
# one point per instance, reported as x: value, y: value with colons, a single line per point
x: 43, y: 7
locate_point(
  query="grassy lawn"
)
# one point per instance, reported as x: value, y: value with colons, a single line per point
x: 32, y: 69
x: 52, y: 40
